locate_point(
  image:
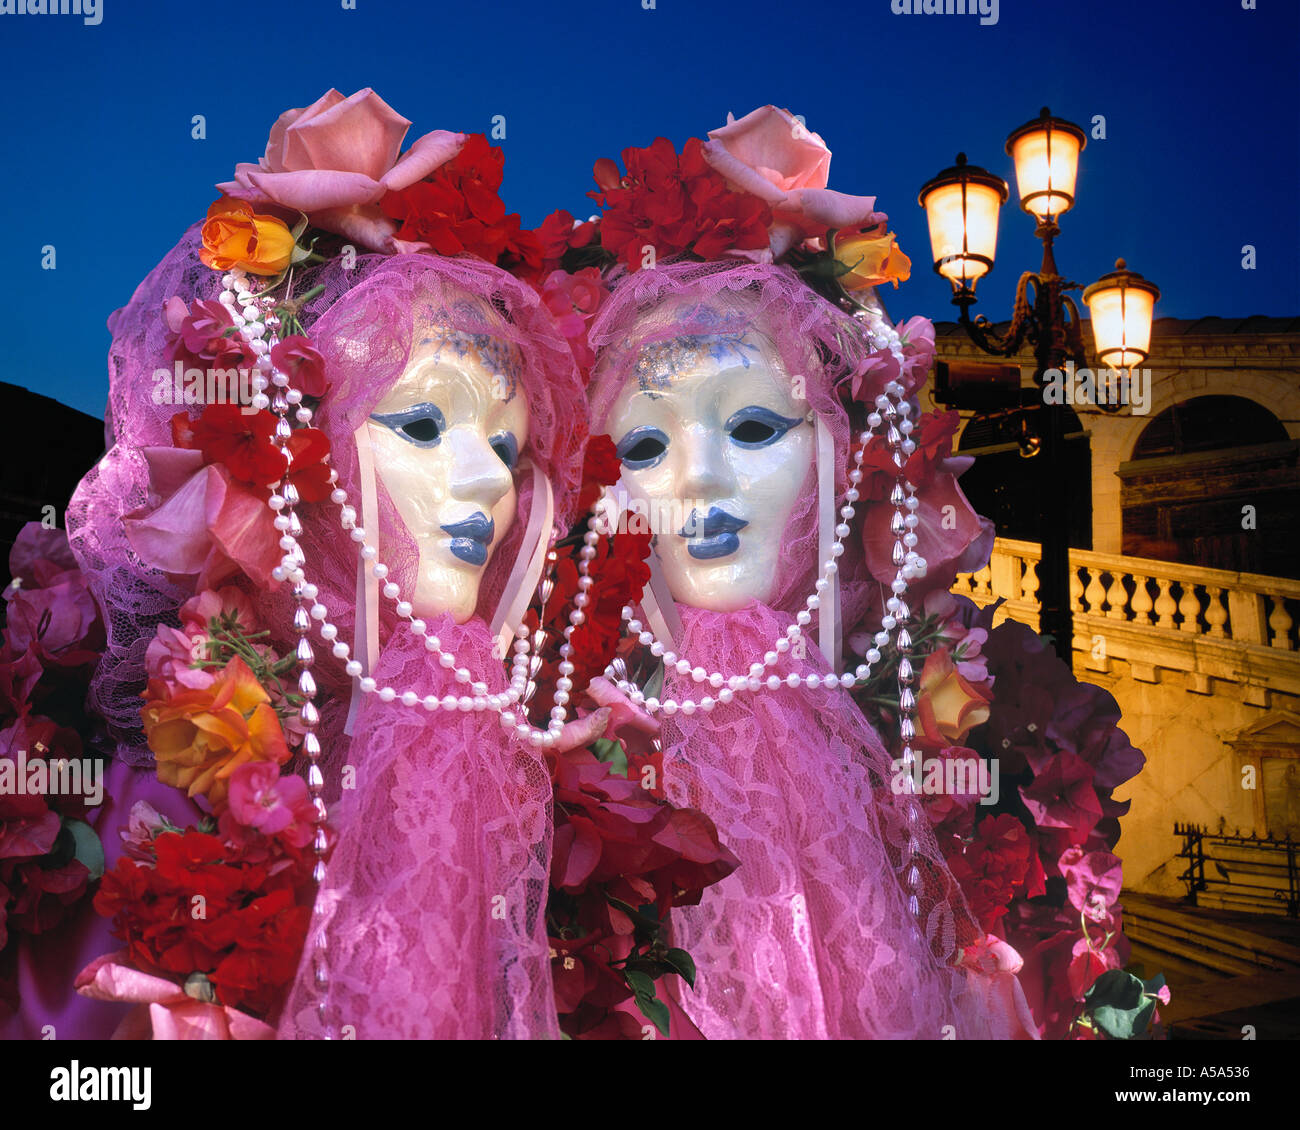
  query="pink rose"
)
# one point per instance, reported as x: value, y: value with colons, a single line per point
x: 769, y: 154
x: 169, y: 655
x: 335, y: 159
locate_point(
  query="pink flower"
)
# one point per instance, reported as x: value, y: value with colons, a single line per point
x: 298, y: 360
x: 59, y: 623
x: 39, y: 555
x: 200, y: 524
x: 169, y: 657
x: 197, y: 612
x: 164, y: 1011
x: 335, y: 159
x: 1093, y: 881
x: 143, y: 823
x: 572, y: 301
x: 261, y: 799
x: 628, y: 723
x: 769, y: 154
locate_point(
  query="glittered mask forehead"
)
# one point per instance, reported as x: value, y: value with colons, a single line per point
x: 466, y: 329
x: 727, y: 337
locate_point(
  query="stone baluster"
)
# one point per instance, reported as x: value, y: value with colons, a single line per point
x: 1095, y: 593
x: 1165, y: 606
x: 1141, y: 602
x: 983, y: 586
x: 1076, y: 590
x: 1117, y: 598
x: 1190, y: 607
x: 1029, y: 582
x: 1216, y: 614
x: 1280, y: 622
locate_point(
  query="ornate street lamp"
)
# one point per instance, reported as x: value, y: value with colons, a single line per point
x: 1121, y: 304
x: 961, y: 204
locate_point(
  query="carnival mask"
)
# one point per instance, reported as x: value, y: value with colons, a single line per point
x: 446, y: 439
x: 716, y: 451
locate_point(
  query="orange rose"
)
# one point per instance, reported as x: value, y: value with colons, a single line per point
x: 233, y: 236
x: 947, y: 706
x: 873, y: 258
x: 200, y: 737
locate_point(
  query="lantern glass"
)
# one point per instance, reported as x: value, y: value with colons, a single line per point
x: 1047, y: 165
x: 1121, y: 324
x: 963, y: 238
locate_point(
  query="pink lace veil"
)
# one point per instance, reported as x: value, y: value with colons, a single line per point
x: 435, y: 892
x: 813, y: 936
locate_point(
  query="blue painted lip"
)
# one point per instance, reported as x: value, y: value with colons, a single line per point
x: 713, y: 535
x: 720, y: 545
x: 471, y: 537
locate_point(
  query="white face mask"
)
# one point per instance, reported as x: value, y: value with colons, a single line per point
x: 445, y: 439
x: 716, y: 452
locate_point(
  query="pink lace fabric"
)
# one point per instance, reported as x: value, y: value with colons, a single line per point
x: 432, y: 908
x: 812, y: 937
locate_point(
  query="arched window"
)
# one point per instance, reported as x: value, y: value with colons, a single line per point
x: 1213, y: 482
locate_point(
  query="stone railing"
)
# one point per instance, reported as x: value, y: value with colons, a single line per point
x: 1208, y: 623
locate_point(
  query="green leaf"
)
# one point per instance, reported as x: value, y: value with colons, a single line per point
x: 1115, y: 989
x: 1118, y: 1004
x: 655, y: 1011
x: 1153, y: 986
x: 682, y: 961
x: 88, y: 847
x: 300, y: 226
x: 612, y: 752
x: 641, y: 983
x: 655, y: 683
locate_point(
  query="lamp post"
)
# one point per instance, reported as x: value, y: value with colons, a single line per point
x: 961, y: 205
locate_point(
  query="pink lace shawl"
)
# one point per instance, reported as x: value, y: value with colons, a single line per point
x: 812, y: 936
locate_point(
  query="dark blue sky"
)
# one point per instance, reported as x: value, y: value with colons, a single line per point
x: 1201, y: 155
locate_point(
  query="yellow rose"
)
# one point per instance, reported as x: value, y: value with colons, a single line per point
x: 233, y: 236
x: 200, y: 737
x: 873, y: 258
x: 947, y: 706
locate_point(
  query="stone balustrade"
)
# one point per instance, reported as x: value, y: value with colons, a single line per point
x: 1160, y: 615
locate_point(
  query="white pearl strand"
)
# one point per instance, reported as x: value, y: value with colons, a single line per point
x: 290, y: 568
x: 247, y: 316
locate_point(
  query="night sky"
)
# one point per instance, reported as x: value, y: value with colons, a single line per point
x: 1200, y: 156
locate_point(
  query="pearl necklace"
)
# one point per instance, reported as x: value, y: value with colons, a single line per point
x: 892, y: 410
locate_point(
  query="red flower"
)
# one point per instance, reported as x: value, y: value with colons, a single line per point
x: 239, y: 441
x: 675, y: 203
x: 309, y: 471
x: 458, y: 208
x: 993, y: 867
x: 208, y: 907
x: 601, y: 468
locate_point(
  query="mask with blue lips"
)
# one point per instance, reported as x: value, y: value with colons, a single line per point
x: 716, y: 452
x: 446, y: 439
